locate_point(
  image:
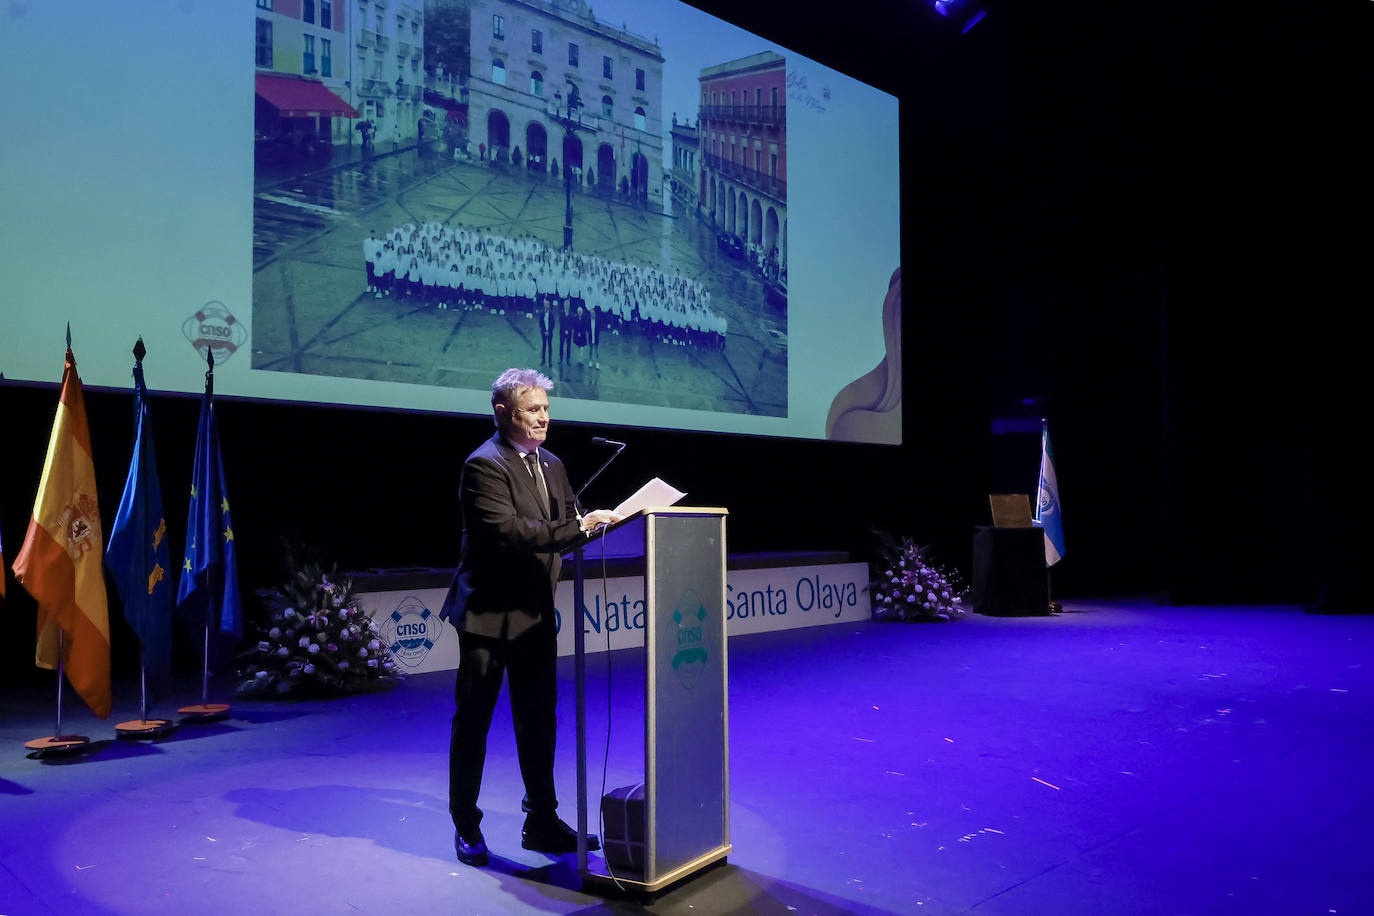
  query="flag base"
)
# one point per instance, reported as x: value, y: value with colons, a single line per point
x: 204, y: 712
x: 136, y: 729
x: 56, y: 744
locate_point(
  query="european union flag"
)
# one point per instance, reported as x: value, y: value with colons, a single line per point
x: 1047, y: 514
x: 137, y: 556
x: 209, y: 589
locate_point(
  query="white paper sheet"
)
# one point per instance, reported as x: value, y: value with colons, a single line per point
x: 653, y: 493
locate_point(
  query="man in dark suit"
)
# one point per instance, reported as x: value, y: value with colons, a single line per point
x: 546, y: 329
x: 518, y: 518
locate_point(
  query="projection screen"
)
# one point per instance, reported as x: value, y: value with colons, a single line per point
x: 213, y: 176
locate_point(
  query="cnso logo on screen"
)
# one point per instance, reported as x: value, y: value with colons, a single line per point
x: 214, y: 328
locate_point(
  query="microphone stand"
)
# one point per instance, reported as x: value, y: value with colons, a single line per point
x: 605, y: 464
x: 580, y: 675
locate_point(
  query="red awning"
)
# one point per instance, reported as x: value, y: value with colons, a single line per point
x: 300, y: 98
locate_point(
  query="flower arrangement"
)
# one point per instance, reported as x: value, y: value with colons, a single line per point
x: 913, y: 587
x: 315, y: 640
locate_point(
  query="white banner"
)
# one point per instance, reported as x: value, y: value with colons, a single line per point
x: 758, y: 600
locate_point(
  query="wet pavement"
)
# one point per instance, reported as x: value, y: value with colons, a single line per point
x: 312, y: 312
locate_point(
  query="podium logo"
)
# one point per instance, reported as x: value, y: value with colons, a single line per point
x: 411, y: 631
x: 689, y: 624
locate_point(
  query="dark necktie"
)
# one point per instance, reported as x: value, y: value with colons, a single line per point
x: 532, y: 461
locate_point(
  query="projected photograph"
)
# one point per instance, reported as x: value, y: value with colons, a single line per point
x: 445, y: 189
x: 686, y: 225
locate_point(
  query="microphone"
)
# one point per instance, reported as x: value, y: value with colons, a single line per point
x: 597, y: 440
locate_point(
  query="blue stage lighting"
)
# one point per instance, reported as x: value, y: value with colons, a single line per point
x: 965, y: 14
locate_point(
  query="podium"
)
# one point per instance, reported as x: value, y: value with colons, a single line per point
x: 1009, y: 577
x: 684, y: 823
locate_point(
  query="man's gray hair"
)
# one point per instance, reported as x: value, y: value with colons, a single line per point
x: 510, y: 383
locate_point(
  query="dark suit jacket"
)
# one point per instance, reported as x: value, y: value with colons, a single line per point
x: 512, y: 545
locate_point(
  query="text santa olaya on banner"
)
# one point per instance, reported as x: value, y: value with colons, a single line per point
x: 1047, y: 509
x: 60, y: 561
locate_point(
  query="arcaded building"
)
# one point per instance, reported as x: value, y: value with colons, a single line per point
x: 743, y: 135
x: 526, y: 57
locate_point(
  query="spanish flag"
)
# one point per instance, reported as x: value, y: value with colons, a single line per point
x: 59, y: 562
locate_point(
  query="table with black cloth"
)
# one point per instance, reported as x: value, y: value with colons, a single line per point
x: 1009, y: 575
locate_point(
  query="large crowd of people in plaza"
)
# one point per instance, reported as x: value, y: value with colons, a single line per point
x: 576, y: 298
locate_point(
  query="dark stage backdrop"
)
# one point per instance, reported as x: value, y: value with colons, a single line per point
x: 1124, y: 215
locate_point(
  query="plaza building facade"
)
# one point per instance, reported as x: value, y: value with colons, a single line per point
x: 685, y: 176
x: 388, y: 77
x: 742, y: 131
x: 300, y: 53
x: 528, y: 56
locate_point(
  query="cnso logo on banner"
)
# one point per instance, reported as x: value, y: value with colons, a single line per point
x: 411, y: 630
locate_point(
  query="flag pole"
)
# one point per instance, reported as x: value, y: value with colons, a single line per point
x: 207, y: 711
x: 142, y: 727
x: 57, y: 729
x: 1052, y: 606
x: 205, y: 658
x: 210, y: 573
x: 57, y: 742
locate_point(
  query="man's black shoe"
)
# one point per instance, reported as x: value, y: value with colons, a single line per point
x: 471, y: 847
x: 553, y: 836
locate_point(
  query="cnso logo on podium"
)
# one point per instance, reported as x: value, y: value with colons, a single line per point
x: 689, y: 627
x: 411, y: 630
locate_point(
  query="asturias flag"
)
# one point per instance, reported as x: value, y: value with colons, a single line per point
x: 1047, y: 514
x: 137, y: 555
x: 59, y: 562
x: 209, y: 573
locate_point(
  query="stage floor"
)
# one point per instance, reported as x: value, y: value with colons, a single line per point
x: 1119, y: 758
